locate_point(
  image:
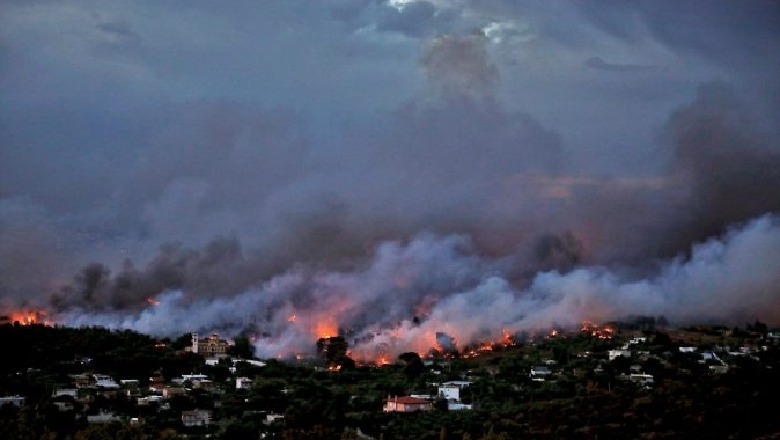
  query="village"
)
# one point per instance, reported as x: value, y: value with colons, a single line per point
x: 209, y: 387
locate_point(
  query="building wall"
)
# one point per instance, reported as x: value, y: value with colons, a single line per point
x: 196, y: 418
x: 393, y: 406
x: 450, y: 392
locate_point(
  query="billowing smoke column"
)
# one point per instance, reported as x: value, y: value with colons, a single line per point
x: 435, y: 291
x: 458, y: 221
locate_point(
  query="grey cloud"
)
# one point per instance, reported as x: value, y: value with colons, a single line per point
x: 723, y: 31
x: 599, y: 64
x: 415, y: 19
x: 347, y: 10
x: 122, y: 29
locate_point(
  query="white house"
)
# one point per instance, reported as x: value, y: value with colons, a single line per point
x: 539, y: 373
x: 72, y: 392
x: 105, y: 381
x: 451, y: 390
x: 642, y: 379
x: 614, y: 354
x: 129, y: 383
x: 64, y: 406
x: 13, y: 400
x: 197, y: 417
x: 102, y: 417
x: 270, y: 419
x: 252, y: 362
x: 189, y: 377
x: 709, y: 356
x: 243, y: 383
x: 148, y: 399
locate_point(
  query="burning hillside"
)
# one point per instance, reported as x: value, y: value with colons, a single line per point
x: 464, y: 299
x: 26, y: 317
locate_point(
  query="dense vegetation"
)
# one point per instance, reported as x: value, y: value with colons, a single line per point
x: 586, y: 397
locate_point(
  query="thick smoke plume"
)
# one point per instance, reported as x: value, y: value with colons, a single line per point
x: 414, y: 295
x: 455, y: 216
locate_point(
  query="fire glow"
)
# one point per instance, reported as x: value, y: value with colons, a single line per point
x: 506, y: 340
x: 29, y: 317
x: 325, y: 329
x: 597, y: 331
x: 440, y: 345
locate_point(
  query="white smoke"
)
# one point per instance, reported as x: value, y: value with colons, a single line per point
x: 442, y: 282
x: 733, y: 278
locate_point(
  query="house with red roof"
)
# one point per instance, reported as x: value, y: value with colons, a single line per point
x: 407, y: 404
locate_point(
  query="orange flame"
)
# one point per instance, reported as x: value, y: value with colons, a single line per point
x: 292, y: 318
x: 29, y: 317
x: 596, y: 330
x: 152, y: 301
x: 506, y: 338
x: 325, y: 329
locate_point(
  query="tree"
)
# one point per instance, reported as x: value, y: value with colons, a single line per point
x: 662, y: 339
x: 440, y: 404
x: 413, y: 365
x: 333, y: 350
x: 242, y: 348
x: 491, y: 435
x: 182, y: 341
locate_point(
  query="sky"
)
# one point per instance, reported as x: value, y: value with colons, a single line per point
x: 375, y: 160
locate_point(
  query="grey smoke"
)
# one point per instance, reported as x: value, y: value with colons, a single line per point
x: 505, y: 192
x: 430, y: 168
x: 461, y: 65
x: 734, y: 277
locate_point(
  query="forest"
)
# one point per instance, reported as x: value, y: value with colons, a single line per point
x: 707, y: 382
